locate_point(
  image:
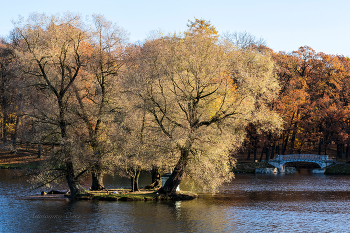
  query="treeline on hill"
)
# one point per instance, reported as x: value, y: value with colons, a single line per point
x: 185, y: 102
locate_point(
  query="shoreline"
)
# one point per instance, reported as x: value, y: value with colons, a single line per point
x: 116, y: 196
x: 249, y: 167
x: 242, y: 167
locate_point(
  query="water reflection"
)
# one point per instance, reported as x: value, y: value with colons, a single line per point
x: 251, y: 203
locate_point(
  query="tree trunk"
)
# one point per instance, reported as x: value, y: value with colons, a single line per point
x: 284, y: 144
x: 73, y: 183
x: 340, y: 151
x: 14, y: 136
x: 255, y: 150
x: 97, y: 181
x: 347, y: 152
x: 273, y: 151
x: 4, y: 128
x: 135, y: 180
x: 248, y: 156
x: 155, y: 174
x: 132, y: 183
x: 74, y: 186
x: 155, y: 178
x: 262, y: 154
x: 320, y: 147
x: 177, y: 175
x: 72, y: 180
x: 292, y: 141
x: 40, y: 150
x: 267, y: 153
x: 4, y: 112
x: 325, y: 148
x: 97, y: 174
x: 255, y: 154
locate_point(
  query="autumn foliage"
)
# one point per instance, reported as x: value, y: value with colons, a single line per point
x: 314, y: 104
x: 184, y: 101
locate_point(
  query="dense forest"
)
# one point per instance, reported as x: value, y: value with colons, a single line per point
x: 314, y: 103
x: 186, y: 101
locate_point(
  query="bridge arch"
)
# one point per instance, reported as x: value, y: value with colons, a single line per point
x: 303, y: 165
x: 280, y: 160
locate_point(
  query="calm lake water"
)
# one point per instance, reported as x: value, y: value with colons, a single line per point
x: 250, y: 203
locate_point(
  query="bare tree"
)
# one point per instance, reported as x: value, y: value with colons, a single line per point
x: 244, y: 40
x: 97, y: 92
x: 52, y: 50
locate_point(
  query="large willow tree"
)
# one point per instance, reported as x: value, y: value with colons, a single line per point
x: 202, y: 93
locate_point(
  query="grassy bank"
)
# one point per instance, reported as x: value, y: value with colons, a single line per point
x: 124, y: 195
x: 11, y: 166
x: 338, y: 169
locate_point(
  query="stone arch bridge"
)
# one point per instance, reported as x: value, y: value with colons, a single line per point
x: 280, y: 160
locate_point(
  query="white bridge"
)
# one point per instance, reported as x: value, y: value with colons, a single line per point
x: 280, y: 160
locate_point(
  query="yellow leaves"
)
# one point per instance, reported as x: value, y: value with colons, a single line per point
x: 214, y: 106
x: 10, y: 122
x: 203, y: 28
x: 202, y: 25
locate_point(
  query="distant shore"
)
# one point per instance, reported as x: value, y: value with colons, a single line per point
x: 250, y: 166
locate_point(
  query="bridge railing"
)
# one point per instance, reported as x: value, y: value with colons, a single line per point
x: 302, y: 157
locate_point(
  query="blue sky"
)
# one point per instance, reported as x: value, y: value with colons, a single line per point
x: 285, y: 25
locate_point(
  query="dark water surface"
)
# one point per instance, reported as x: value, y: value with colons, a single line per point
x: 251, y: 203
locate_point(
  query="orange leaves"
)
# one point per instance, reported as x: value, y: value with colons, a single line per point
x: 315, y: 85
x: 86, y: 48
